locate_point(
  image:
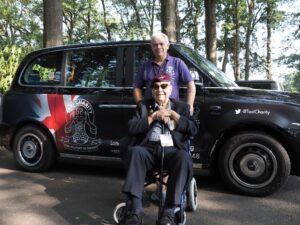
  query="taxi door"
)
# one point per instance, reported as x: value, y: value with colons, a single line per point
x: 91, y: 115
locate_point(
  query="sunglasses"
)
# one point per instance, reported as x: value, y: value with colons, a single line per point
x: 162, y: 86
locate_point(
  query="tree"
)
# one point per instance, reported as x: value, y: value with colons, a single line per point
x: 188, y: 22
x: 228, y: 43
x: 92, y: 24
x: 249, y: 29
x: 70, y: 18
x: 16, y: 30
x: 259, y: 11
x: 273, y: 18
x: 270, y: 12
x: 106, y: 23
x: 236, y: 51
x: 292, y: 81
x: 10, y: 57
x: 137, y: 18
x: 17, y: 36
x: 53, y: 19
x: 168, y: 18
x: 210, y: 30
x: 292, y: 61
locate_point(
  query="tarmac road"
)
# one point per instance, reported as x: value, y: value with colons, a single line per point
x: 78, y: 194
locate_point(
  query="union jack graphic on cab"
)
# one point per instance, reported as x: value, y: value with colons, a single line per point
x: 70, y: 119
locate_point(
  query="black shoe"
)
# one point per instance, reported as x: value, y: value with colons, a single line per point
x: 132, y: 218
x: 166, y: 220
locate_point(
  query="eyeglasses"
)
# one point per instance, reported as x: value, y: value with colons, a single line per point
x: 157, y: 86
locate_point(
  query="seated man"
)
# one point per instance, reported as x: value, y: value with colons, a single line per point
x: 160, y: 121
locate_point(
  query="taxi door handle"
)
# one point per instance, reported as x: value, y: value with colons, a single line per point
x: 215, y: 108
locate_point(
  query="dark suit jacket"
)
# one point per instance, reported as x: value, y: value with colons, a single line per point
x: 184, y: 131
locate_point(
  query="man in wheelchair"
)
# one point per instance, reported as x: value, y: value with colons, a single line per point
x: 159, y: 124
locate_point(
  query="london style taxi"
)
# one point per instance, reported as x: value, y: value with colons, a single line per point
x: 75, y: 101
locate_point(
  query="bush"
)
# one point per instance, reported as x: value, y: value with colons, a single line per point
x: 10, y: 57
x: 296, y: 82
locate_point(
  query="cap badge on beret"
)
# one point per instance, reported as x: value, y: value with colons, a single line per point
x: 161, y: 78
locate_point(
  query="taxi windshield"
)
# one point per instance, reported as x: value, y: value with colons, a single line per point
x: 203, y: 64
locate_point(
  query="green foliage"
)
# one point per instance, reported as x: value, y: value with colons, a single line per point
x: 191, y: 13
x: 18, y: 36
x: 136, y: 19
x: 14, y: 29
x: 296, y: 82
x: 292, y: 61
x: 292, y: 81
x: 9, y: 61
x: 84, y: 22
x: 21, y: 27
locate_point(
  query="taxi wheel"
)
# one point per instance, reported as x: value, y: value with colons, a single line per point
x: 33, y: 150
x: 254, y: 163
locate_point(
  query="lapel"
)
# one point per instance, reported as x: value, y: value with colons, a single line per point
x: 150, y: 106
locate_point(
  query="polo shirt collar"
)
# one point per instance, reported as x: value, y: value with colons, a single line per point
x: 166, y: 60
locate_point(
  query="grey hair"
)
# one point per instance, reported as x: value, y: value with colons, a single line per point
x: 160, y: 34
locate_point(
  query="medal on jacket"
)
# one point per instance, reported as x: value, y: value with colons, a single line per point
x: 171, y: 125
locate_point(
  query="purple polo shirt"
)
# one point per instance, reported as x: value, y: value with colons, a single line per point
x: 175, y: 67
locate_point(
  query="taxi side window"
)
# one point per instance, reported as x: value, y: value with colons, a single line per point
x: 194, y: 72
x: 142, y: 53
x: 44, y: 70
x: 91, y: 68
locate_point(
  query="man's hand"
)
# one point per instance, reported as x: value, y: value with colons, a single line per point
x: 164, y: 115
x: 137, y: 95
x: 191, y: 93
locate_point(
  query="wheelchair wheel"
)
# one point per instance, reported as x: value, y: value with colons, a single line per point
x: 192, y: 202
x: 180, y: 217
x: 119, y: 212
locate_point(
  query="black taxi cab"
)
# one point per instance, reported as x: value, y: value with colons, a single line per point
x: 75, y: 101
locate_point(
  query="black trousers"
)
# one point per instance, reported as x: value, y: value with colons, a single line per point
x: 141, y: 159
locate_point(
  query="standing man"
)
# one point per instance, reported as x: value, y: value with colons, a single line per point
x: 163, y: 63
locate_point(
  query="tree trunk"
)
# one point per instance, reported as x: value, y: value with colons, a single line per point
x: 210, y: 30
x: 178, y: 26
x: 152, y: 16
x: 88, y: 23
x: 247, y: 54
x: 226, y: 51
x: 105, y: 21
x: 53, y: 17
x: 236, y: 52
x: 269, y: 37
x: 168, y: 18
x: 249, y: 31
x: 195, y: 17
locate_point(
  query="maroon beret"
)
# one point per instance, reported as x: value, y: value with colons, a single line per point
x: 161, y: 78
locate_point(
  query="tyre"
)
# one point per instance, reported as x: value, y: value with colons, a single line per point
x: 33, y: 150
x: 254, y: 164
x: 192, y: 201
x: 119, y: 212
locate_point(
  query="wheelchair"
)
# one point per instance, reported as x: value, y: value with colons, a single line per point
x: 189, y: 201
